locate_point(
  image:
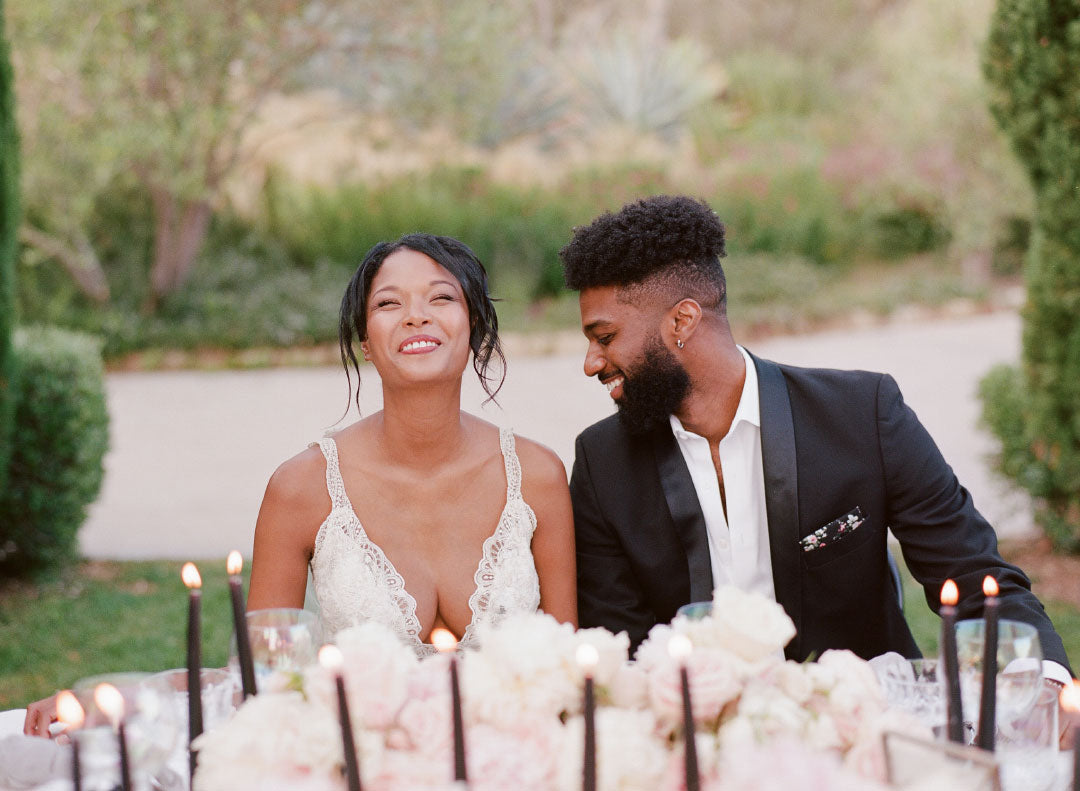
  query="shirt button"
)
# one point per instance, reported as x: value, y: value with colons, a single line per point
x: 722, y: 544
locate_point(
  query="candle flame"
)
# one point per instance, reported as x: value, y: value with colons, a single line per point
x: 587, y: 656
x: 679, y: 646
x: 950, y: 594
x: 990, y: 586
x: 190, y: 575
x: 110, y: 701
x: 1070, y: 697
x: 69, y: 710
x: 443, y: 640
x: 330, y: 657
x: 234, y: 563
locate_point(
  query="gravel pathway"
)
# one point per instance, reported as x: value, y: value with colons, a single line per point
x: 192, y: 451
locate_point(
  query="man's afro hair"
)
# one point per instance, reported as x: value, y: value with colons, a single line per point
x: 642, y: 239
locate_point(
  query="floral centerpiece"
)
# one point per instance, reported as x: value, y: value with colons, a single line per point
x: 761, y: 722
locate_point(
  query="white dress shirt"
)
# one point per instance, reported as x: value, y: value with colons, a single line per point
x: 739, y: 541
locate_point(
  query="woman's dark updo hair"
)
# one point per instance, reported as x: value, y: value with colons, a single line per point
x: 463, y: 264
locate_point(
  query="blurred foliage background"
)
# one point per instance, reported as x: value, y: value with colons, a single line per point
x: 207, y: 174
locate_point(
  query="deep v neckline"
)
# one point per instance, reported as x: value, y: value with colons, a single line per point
x: 341, y: 500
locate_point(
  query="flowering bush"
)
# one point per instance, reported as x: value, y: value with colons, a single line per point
x: 762, y: 722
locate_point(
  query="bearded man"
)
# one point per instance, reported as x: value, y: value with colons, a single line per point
x: 721, y: 468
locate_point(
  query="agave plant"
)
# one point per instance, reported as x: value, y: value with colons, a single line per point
x: 633, y: 76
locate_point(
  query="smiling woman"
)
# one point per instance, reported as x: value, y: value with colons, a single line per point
x: 419, y: 516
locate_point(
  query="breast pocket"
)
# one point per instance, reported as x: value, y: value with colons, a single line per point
x: 835, y: 539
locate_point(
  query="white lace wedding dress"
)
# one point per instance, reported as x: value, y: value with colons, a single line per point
x: 355, y: 582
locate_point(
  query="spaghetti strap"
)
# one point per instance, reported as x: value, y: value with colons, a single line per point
x: 334, y: 483
x: 511, y: 463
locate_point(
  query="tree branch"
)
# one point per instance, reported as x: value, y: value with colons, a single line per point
x: 79, y: 260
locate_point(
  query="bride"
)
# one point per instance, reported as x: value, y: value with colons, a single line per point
x: 420, y: 515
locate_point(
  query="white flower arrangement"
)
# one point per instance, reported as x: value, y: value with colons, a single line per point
x: 522, y: 694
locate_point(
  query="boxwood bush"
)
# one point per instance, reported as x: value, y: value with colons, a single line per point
x: 1032, y: 63
x: 58, y: 445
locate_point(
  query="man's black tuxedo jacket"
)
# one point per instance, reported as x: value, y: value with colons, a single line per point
x: 831, y: 441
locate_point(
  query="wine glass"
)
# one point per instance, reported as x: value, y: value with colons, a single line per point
x: 284, y: 640
x: 915, y: 686
x: 1027, y: 747
x: 151, y: 729
x: 695, y: 611
x: 1019, y: 661
x: 220, y: 697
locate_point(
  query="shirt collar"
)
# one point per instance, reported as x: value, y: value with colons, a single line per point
x: 749, y: 409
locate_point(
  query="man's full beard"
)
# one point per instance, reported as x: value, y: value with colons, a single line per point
x: 653, y: 390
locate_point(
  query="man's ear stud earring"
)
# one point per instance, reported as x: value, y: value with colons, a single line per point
x: 678, y: 342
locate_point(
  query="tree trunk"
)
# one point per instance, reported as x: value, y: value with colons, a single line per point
x: 180, y: 228
x: 78, y: 258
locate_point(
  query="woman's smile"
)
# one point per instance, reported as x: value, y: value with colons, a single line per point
x: 419, y: 344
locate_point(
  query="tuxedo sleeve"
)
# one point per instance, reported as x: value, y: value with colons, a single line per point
x: 608, y: 591
x: 941, y: 534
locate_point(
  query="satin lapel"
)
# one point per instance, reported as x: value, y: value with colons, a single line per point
x: 685, y: 513
x: 781, y: 490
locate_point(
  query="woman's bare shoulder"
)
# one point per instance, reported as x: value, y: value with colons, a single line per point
x: 540, y: 465
x: 299, y: 483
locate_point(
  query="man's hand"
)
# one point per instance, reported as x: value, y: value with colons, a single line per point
x: 39, y: 716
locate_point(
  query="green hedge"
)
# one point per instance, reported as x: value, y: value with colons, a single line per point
x: 58, y: 446
x: 1032, y: 63
x: 9, y: 226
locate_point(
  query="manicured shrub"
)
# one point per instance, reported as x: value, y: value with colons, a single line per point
x: 1032, y: 62
x: 9, y: 226
x: 58, y: 446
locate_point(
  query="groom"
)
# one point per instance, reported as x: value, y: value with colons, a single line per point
x: 721, y: 468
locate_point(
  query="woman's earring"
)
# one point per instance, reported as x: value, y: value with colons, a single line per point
x: 679, y: 343
x: 364, y: 351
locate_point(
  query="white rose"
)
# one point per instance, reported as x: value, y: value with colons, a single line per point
x: 612, y: 651
x: 793, y: 680
x: 629, y: 689
x: 629, y: 754
x: 713, y: 680
x: 271, y: 734
x: 376, y: 673
x: 747, y: 624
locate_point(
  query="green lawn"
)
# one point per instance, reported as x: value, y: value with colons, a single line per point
x: 102, y: 618
x: 926, y: 626
x: 106, y: 617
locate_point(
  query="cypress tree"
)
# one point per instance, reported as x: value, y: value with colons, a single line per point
x: 9, y: 226
x: 1032, y: 63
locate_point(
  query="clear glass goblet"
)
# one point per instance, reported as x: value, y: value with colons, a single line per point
x: 1019, y: 674
x: 1027, y: 747
x: 220, y: 697
x: 915, y: 686
x: 151, y: 730
x: 284, y: 641
x: 695, y: 611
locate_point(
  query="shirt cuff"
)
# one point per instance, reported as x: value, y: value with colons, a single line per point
x: 1055, y: 672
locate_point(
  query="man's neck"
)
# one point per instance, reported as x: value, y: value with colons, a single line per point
x: 716, y: 385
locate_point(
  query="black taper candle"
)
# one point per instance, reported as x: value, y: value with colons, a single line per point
x: 460, y: 774
x: 191, y: 578
x: 692, y: 778
x: 243, y: 638
x: 76, y: 763
x: 950, y: 594
x: 588, y: 764
x: 348, y: 744
x: 125, y: 766
x: 988, y: 698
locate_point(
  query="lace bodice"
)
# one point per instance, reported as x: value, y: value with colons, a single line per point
x: 355, y: 582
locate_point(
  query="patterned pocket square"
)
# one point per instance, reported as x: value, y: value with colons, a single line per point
x: 836, y: 530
